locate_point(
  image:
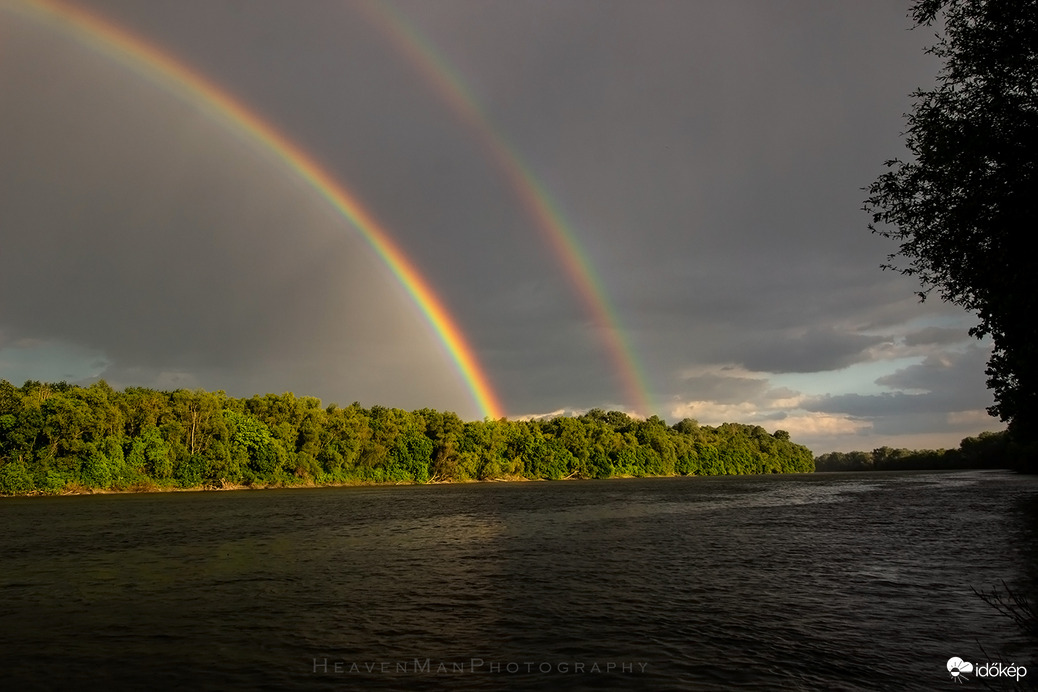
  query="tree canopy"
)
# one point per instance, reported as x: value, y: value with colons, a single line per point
x: 964, y: 205
x: 60, y: 438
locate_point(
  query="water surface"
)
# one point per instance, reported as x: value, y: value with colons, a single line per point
x: 822, y: 581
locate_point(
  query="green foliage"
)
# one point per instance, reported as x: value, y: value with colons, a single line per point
x: 411, y: 455
x: 96, y: 471
x: 54, y: 437
x: 15, y: 479
x: 989, y: 450
x: 254, y: 450
x: 149, y: 454
x: 191, y: 472
x: 963, y: 205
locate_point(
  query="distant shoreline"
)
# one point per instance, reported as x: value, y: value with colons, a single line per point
x: 143, y: 490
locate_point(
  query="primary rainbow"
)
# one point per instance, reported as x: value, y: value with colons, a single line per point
x: 104, y: 36
x: 448, y: 83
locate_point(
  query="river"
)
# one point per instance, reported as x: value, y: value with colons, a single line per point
x: 800, y: 582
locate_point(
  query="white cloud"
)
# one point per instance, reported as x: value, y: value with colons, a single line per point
x: 822, y: 425
x: 541, y: 416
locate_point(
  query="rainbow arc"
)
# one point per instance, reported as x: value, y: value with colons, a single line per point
x: 176, y: 77
x: 557, y: 231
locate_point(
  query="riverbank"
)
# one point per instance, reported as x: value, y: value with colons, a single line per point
x: 144, y: 488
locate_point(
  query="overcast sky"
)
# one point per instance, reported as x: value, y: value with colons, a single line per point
x: 708, y: 158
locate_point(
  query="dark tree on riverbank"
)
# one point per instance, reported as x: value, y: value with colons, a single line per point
x: 965, y: 204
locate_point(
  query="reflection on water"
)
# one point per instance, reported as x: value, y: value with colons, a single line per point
x: 846, y: 581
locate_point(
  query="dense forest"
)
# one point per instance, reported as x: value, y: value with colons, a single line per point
x: 65, y: 438
x: 989, y: 450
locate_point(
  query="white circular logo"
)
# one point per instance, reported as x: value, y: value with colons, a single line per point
x: 956, y: 666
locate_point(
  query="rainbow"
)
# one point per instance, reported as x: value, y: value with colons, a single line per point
x: 171, y: 74
x: 448, y: 83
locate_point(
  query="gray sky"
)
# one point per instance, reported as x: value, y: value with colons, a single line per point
x: 708, y: 158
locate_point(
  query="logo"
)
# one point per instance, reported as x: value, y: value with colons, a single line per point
x: 957, y: 667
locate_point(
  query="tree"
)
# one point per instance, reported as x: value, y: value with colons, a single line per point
x: 964, y: 206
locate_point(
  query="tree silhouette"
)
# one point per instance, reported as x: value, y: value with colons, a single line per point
x: 964, y: 206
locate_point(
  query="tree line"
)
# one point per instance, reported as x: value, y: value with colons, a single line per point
x: 988, y: 450
x: 63, y: 438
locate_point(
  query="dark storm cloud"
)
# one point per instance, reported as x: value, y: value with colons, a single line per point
x: 135, y: 225
x: 722, y: 389
x: 816, y: 350
x: 710, y: 163
x: 708, y: 158
x: 872, y: 405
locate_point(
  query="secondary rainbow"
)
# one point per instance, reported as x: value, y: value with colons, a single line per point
x: 173, y: 75
x: 448, y: 83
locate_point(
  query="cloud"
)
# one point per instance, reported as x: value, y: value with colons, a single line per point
x: 819, y: 425
x: 707, y: 159
x: 773, y: 411
x: 724, y: 389
x: 942, y: 394
x: 976, y: 419
x: 938, y: 385
x: 138, y: 230
x: 870, y: 405
x: 732, y: 393
x: 942, y: 371
x: 812, y: 350
x: 49, y: 361
x: 937, y: 336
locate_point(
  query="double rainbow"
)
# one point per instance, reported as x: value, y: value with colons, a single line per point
x: 447, y: 81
